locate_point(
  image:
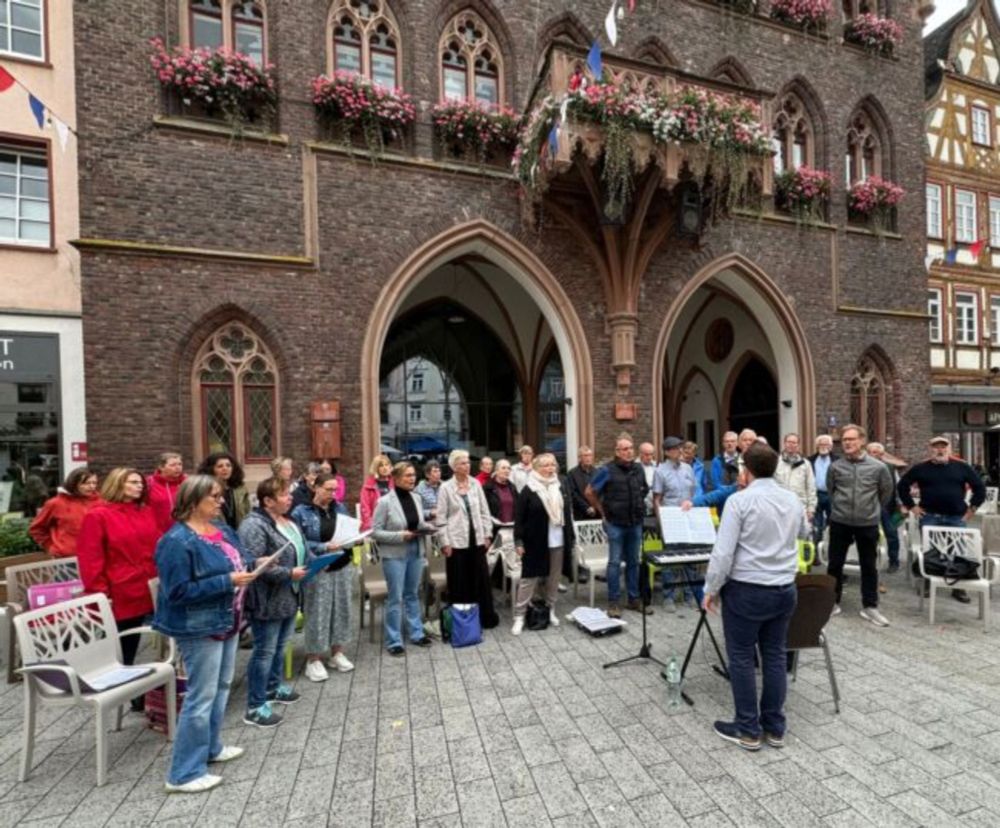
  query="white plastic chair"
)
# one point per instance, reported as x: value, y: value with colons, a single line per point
x: 951, y: 541
x: 591, y: 551
x: 989, y: 506
x: 504, y: 544
x: 851, y: 562
x: 81, y: 633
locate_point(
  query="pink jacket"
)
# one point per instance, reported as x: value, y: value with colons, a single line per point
x: 368, y: 500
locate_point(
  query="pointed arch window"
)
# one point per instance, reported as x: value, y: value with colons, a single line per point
x: 871, y: 401
x: 235, y: 381
x: 248, y: 30
x: 471, y: 66
x: 363, y: 37
x: 235, y: 24
x: 794, y: 139
x: 864, y: 149
x: 206, y: 24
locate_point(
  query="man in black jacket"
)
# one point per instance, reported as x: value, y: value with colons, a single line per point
x: 577, y: 480
x: 942, y: 481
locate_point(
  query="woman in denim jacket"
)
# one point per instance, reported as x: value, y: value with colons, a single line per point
x: 201, y: 569
x: 272, y: 600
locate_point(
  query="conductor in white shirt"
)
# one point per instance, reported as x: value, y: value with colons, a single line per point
x: 752, y: 570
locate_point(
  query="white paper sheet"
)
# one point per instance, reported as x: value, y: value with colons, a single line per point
x: 693, y: 526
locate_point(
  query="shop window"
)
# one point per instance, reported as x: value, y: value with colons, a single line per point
x: 364, y: 38
x: 22, y: 28
x: 236, y: 384
x: 471, y: 67
x: 25, y: 214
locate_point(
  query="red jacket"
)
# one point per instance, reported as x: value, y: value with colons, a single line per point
x: 368, y: 500
x: 56, y: 527
x: 115, y: 550
x: 162, y: 494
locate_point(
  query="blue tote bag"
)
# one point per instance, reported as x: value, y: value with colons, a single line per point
x: 465, y: 627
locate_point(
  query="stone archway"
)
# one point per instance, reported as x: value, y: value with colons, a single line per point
x: 794, y: 374
x: 480, y: 238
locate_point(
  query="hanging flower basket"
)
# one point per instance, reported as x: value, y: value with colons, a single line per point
x: 727, y: 130
x: 475, y: 130
x: 218, y: 83
x: 361, y: 110
x: 803, y: 192
x: 873, y: 201
x: 878, y: 35
x: 808, y: 15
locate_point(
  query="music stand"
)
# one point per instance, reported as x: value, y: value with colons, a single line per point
x: 645, y: 594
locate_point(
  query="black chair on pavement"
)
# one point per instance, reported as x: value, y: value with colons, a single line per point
x: 807, y: 629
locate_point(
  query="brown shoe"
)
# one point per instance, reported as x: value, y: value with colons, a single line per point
x: 614, y: 611
x: 636, y: 606
x: 882, y: 589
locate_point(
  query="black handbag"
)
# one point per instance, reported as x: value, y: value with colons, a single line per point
x: 953, y: 568
x: 537, y: 617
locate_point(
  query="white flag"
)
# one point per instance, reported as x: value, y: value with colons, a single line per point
x: 929, y: 260
x: 562, y: 110
x: 62, y: 131
x: 610, y: 25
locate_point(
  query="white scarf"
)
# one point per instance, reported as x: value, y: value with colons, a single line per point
x: 550, y: 493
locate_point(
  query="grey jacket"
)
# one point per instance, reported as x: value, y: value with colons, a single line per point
x: 452, y: 520
x: 271, y: 597
x: 389, y: 523
x: 857, y: 490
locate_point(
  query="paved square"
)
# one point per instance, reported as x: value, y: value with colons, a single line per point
x: 531, y: 731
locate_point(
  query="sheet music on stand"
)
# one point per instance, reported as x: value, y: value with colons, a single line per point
x: 694, y: 526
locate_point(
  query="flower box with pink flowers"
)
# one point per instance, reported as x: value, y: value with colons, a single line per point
x: 873, y: 201
x: 808, y: 15
x: 803, y: 192
x: 217, y: 84
x: 476, y: 131
x: 878, y: 35
x: 362, y: 112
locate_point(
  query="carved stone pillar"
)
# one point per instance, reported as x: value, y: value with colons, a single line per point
x: 623, y: 328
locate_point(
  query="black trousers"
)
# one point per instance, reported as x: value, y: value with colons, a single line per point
x: 866, y: 540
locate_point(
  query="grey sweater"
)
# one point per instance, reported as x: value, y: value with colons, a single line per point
x: 857, y: 490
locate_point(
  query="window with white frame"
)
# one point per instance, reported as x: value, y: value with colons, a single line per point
x: 981, y: 126
x: 22, y: 28
x: 416, y: 414
x: 994, y: 221
x: 934, y: 211
x: 965, y: 216
x: 934, y: 312
x: 25, y: 217
x: 966, y: 321
x: 995, y: 321
x: 417, y: 381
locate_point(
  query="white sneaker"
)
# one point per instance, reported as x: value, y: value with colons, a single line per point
x: 836, y: 610
x: 518, y: 625
x: 227, y: 754
x: 202, y: 783
x: 340, y: 663
x: 315, y: 671
x: 553, y: 618
x: 872, y: 614
x: 563, y: 587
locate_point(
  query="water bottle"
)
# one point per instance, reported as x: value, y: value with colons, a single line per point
x: 672, y: 674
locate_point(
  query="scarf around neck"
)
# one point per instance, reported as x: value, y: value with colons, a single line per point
x: 550, y: 493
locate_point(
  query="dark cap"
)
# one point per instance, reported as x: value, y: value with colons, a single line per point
x: 672, y: 442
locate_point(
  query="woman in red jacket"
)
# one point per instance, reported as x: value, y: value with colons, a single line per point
x: 115, y: 551
x: 57, y: 526
x: 378, y: 484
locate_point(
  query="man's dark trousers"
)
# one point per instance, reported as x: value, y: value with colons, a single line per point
x: 866, y: 540
x: 754, y: 615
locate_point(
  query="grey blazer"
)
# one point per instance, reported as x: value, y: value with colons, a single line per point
x: 453, y: 521
x: 389, y: 523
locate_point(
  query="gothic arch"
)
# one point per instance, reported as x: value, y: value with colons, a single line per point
x: 731, y: 70
x: 566, y: 26
x: 488, y: 241
x: 803, y: 91
x: 501, y: 32
x: 874, y: 396
x: 654, y: 50
x: 675, y: 416
x: 774, y: 313
x: 870, y: 116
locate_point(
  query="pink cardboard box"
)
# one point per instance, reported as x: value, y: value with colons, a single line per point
x: 45, y: 595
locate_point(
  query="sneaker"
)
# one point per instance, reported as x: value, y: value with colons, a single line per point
x: 422, y: 642
x: 227, y: 754
x: 774, y: 740
x: 836, y: 611
x: 635, y: 605
x: 202, y: 783
x: 729, y: 732
x: 518, y: 626
x: 283, y: 695
x: 553, y: 618
x: 614, y: 611
x: 397, y: 650
x: 892, y: 568
x: 882, y: 588
x: 263, y: 716
x: 340, y: 663
x: 872, y: 614
x: 315, y: 671
x: 961, y: 596
x: 563, y: 587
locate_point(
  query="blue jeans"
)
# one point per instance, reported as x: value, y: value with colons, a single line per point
x: 687, y: 573
x: 402, y: 576
x: 264, y: 670
x: 752, y: 616
x: 624, y: 543
x: 929, y: 519
x: 209, y: 665
x: 891, y: 535
x: 822, y: 515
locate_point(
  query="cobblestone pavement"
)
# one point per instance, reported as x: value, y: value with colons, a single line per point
x: 531, y: 731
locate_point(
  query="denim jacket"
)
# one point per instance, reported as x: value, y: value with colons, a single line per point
x: 195, y: 597
x: 271, y: 597
x: 307, y: 516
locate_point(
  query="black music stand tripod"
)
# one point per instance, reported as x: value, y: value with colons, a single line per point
x: 645, y: 594
x: 719, y: 668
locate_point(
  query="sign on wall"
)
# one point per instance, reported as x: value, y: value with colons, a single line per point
x: 28, y: 356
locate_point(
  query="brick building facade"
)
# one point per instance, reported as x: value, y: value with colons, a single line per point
x: 326, y: 263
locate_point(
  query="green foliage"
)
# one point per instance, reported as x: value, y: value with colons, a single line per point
x: 14, y: 538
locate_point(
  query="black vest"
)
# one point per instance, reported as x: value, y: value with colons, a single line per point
x: 624, y: 494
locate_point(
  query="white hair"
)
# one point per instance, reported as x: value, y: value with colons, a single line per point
x: 457, y: 456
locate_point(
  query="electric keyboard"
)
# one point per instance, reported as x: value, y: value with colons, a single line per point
x: 679, y: 553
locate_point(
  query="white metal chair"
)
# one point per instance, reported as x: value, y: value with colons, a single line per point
x: 950, y: 541
x: 73, y: 643
x: 591, y: 551
x: 19, y: 578
x: 503, y: 543
x: 989, y: 506
x: 851, y: 563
